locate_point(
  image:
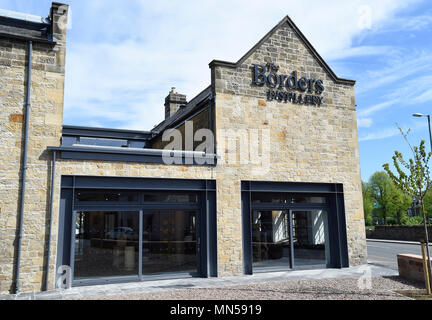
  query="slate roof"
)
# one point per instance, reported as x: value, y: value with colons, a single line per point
x: 184, y: 112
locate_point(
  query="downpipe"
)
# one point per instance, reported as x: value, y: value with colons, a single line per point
x: 50, y: 220
x: 24, y: 166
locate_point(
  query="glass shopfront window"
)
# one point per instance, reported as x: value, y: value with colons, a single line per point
x: 308, y: 199
x: 289, y: 234
x: 106, y: 244
x: 310, y: 238
x: 268, y: 197
x: 173, y: 197
x: 169, y: 241
x: 106, y: 196
x: 270, y: 238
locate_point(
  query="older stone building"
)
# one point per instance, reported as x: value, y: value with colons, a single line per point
x: 260, y: 171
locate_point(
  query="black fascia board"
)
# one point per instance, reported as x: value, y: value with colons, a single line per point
x: 295, y: 187
x: 137, y: 183
x: 126, y: 155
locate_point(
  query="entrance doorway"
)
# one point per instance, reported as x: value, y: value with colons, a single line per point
x: 293, y: 226
x: 169, y: 242
x: 290, y: 238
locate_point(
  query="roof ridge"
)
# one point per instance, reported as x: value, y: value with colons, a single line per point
x: 305, y: 41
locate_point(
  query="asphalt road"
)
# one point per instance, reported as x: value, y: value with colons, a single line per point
x: 384, y: 253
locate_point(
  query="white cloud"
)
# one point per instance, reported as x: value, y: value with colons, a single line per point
x: 360, y: 52
x: 381, y: 134
x: 364, y: 122
x: 424, y: 97
x: 124, y: 57
x: 378, y: 107
x: 388, y: 132
x: 395, y: 70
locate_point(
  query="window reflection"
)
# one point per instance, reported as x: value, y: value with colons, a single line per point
x: 170, y: 197
x: 107, y: 196
x: 270, y: 238
x: 169, y: 241
x: 308, y: 199
x: 310, y: 233
x: 106, y: 244
x: 267, y: 197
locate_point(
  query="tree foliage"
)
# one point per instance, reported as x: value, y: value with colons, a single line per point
x: 367, y: 203
x: 389, y: 203
x: 413, y: 176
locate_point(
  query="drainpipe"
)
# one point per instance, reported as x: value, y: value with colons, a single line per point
x: 50, y: 220
x: 24, y: 165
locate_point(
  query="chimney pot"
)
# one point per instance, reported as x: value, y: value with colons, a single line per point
x: 173, y: 102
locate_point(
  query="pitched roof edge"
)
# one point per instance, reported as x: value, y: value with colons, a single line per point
x: 287, y: 19
x: 189, y: 108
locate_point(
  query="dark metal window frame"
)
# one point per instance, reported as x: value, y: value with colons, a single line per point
x: 335, y: 212
x: 205, y: 208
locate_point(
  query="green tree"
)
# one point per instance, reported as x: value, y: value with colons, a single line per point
x: 367, y: 203
x: 381, y: 189
x: 428, y: 203
x: 399, y: 203
x: 414, y: 179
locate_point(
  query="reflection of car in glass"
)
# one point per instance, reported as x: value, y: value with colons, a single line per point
x: 122, y: 232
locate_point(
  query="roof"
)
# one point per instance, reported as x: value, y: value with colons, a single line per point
x: 185, y: 111
x: 105, y: 133
x: 23, y: 16
x: 305, y: 41
x: 25, y: 27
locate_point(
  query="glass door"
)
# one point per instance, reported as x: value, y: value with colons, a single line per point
x: 169, y: 242
x: 271, y: 239
x: 106, y: 244
x: 283, y: 239
x: 310, y: 238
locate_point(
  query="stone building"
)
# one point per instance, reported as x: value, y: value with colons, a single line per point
x: 258, y: 172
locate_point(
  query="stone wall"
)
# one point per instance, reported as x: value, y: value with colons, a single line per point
x: 46, y: 117
x: 307, y: 143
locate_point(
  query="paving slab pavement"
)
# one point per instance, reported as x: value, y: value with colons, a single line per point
x: 190, y: 283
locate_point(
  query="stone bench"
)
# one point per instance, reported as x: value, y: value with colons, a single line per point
x: 411, y: 267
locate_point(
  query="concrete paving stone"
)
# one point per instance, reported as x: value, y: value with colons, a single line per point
x: 197, y: 284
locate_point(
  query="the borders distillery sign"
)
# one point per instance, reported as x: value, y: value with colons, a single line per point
x: 267, y: 75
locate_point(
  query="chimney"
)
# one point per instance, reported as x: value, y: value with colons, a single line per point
x: 173, y: 102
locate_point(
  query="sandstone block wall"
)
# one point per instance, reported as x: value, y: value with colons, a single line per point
x: 307, y: 143
x: 46, y: 117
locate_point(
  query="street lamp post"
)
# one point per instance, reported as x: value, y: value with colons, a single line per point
x: 424, y: 214
x: 418, y: 115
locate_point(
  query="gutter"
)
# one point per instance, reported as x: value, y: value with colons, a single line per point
x: 133, y: 151
x: 24, y: 166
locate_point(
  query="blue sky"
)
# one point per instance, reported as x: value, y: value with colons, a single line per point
x: 124, y: 56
